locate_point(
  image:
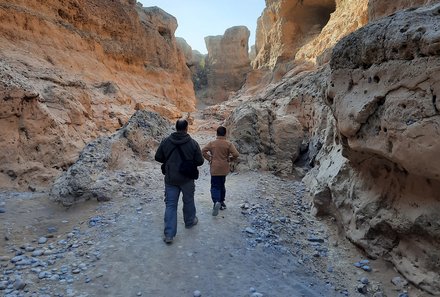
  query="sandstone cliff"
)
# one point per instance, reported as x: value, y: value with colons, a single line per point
x: 383, y: 95
x: 366, y: 127
x: 73, y: 70
x: 227, y: 64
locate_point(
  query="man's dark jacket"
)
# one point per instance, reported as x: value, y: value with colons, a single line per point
x: 168, y: 153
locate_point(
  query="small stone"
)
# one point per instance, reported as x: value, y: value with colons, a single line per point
x: 3, y: 285
x: 256, y: 294
x: 76, y: 271
x: 357, y: 264
x: 52, y: 229
x: 366, y: 268
x: 249, y: 230
x: 330, y: 269
x: 197, y: 293
x: 2, y: 210
x: 4, y: 258
x: 29, y: 249
x: 365, y: 280
x: 37, y: 253
x: 16, y: 259
x: 42, y: 240
x: 399, y: 282
x: 404, y: 294
x: 364, y: 262
x: 362, y: 288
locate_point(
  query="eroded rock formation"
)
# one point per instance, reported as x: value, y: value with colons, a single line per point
x: 378, y: 9
x: 285, y: 26
x: 367, y: 125
x: 227, y: 64
x: 109, y: 160
x: 384, y: 187
x: 73, y: 70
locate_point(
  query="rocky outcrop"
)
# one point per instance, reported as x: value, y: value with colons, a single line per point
x: 196, y: 63
x: 378, y: 9
x: 109, y: 160
x: 273, y: 130
x: 379, y: 171
x: 290, y: 33
x: 285, y: 26
x: 74, y: 70
x: 227, y: 64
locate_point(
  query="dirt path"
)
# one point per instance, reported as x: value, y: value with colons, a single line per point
x: 118, y: 248
x: 265, y: 243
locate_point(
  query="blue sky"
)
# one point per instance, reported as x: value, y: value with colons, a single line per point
x: 200, y: 18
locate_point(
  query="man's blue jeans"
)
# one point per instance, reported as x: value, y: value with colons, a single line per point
x: 172, y: 193
x: 218, y: 189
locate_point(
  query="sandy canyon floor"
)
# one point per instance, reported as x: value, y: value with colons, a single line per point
x: 266, y: 243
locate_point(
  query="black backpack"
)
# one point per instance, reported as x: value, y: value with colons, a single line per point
x: 187, y: 168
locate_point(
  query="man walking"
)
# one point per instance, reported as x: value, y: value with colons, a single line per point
x: 219, y: 153
x: 172, y: 151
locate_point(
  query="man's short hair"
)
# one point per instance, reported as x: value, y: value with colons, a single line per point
x: 221, y: 131
x: 181, y: 125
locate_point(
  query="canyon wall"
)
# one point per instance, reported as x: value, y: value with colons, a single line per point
x: 73, y: 70
x: 383, y: 185
x: 227, y: 64
x: 363, y: 128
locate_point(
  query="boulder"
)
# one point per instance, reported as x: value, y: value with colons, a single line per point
x: 109, y: 162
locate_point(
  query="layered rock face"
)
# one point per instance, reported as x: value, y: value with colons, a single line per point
x: 73, y: 70
x: 293, y: 32
x: 285, y: 26
x: 383, y: 92
x: 227, y: 64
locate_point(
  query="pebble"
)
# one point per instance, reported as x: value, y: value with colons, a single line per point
x: 399, y: 282
x: 52, y: 229
x: 3, y: 285
x: 37, y: 253
x: 249, y: 230
x: 197, y: 293
x: 366, y: 268
x: 256, y: 294
x: 4, y: 258
x: 365, y: 280
x: 2, y: 210
x: 29, y: 249
x: 404, y: 294
x: 42, y: 240
x: 362, y: 288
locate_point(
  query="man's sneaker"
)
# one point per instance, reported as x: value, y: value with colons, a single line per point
x: 195, y: 221
x: 216, y: 208
x: 168, y: 239
x: 222, y: 206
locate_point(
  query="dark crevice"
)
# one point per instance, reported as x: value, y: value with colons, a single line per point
x: 434, y: 103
